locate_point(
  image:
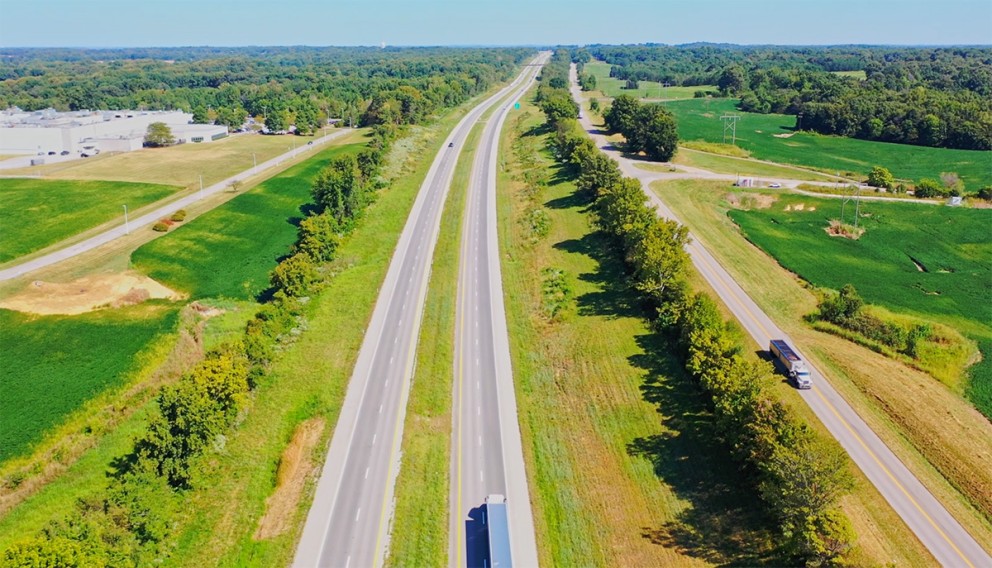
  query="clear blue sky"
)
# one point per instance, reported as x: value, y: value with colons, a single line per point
x: 127, y: 23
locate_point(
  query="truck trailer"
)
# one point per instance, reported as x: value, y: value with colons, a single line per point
x: 498, y: 530
x: 794, y: 366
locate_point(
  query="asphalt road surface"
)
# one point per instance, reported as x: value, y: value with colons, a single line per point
x: 348, y: 523
x: 940, y: 533
x: 487, y: 456
x: 133, y: 224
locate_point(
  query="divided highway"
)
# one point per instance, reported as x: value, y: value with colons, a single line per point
x: 348, y: 523
x: 487, y: 457
x: 943, y: 536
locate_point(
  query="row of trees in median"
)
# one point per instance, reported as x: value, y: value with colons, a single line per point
x: 799, y: 474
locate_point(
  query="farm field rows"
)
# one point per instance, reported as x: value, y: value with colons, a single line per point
x: 179, y: 165
x: 54, y: 364
x: 229, y: 251
x: 931, y: 262
x: 771, y: 137
x: 36, y: 213
x: 650, y: 90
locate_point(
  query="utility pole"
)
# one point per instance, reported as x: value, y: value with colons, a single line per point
x: 730, y: 123
x: 127, y: 227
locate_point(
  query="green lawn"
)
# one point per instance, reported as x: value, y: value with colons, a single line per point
x: 951, y: 244
x: 53, y: 364
x: 699, y: 119
x: 36, y: 213
x: 611, y: 87
x: 230, y: 251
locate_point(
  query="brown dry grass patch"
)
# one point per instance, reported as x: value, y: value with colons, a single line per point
x: 295, y: 468
x: 87, y: 294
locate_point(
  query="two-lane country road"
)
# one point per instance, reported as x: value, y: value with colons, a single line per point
x: 487, y: 456
x: 945, y: 538
x: 348, y: 523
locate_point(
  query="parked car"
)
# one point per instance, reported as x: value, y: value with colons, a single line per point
x: 51, y: 153
x: 64, y: 153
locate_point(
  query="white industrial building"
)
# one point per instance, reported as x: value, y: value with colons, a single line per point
x: 48, y: 131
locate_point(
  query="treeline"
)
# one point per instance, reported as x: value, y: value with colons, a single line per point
x: 938, y: 97
x: 799, y: 475
x: 132, y: 522
x: 280, y: 86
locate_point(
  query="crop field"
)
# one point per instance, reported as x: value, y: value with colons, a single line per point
x: 858, y: 74
x: 53, y: 364
x: 179, y: 165
x: 732, y: 165
x: 649, y: 90
x: 933, y: 262
x: 771, y: 137
x: 229, y: 251
x: 35, y: 213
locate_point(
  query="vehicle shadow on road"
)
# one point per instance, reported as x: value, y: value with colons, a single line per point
x: 476, y: 539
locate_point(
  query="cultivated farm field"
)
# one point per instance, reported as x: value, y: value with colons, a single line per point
x: 771, y: 137
x: 36, y: 213
x: 649, y: 90
x: 931, y: 262
x: 53, y: 364
x: 229, y: 251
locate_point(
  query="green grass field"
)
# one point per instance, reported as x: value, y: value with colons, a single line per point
x: 732, y: 165
x: 53, y: 364
x: 650, y: 90
x: 36, y: 213
x: 230, y: 251
x: 699, y: 119
x: 950, y: 244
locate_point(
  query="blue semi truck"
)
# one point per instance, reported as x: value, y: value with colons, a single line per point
x: 498, y: 530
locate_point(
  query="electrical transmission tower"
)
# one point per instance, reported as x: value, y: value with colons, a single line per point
x: 730, y: 123
x: 856, y: 196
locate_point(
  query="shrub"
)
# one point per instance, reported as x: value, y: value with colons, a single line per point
x: 178, y: 216
x: 295, y: 275
x: 160, y: 227
x: 556, y: 292
x: 881, y: 177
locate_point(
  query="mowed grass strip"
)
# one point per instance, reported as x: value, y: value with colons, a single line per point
x: 771, y: 137
x: 612, y: 88
x: 947, y: 443
x: 623, y: 464
x: 743, y: 166
x: 420, y: 523
x: 180, y: 165
x: 54, y: 364
x: 36, y: 213
x: 229, y: 252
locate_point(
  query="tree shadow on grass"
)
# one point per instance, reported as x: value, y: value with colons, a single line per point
x: 722, y: 522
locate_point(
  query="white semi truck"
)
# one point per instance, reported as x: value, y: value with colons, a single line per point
x: 794, y: 366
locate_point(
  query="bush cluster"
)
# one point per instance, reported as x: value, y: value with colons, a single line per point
x: 799, y: 475
x: 647, y: 128
x: 845, y: 309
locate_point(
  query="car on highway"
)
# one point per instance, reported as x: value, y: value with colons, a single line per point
x: 451, y: 144
x: 774, y: 185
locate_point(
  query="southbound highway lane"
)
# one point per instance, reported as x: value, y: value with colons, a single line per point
x: 487, y: 456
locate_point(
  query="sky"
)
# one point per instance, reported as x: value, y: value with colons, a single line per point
x: 143, y: 23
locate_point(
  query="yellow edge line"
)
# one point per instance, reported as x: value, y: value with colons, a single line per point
x: 855, y: 434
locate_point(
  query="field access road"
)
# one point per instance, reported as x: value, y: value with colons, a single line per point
x: 940, y: 533
x: 348, y: 523
x: 487, y: 456
x: 158, y: 213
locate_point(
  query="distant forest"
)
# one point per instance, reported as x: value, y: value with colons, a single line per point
x: 925, y: 96
x: 283, y: 85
